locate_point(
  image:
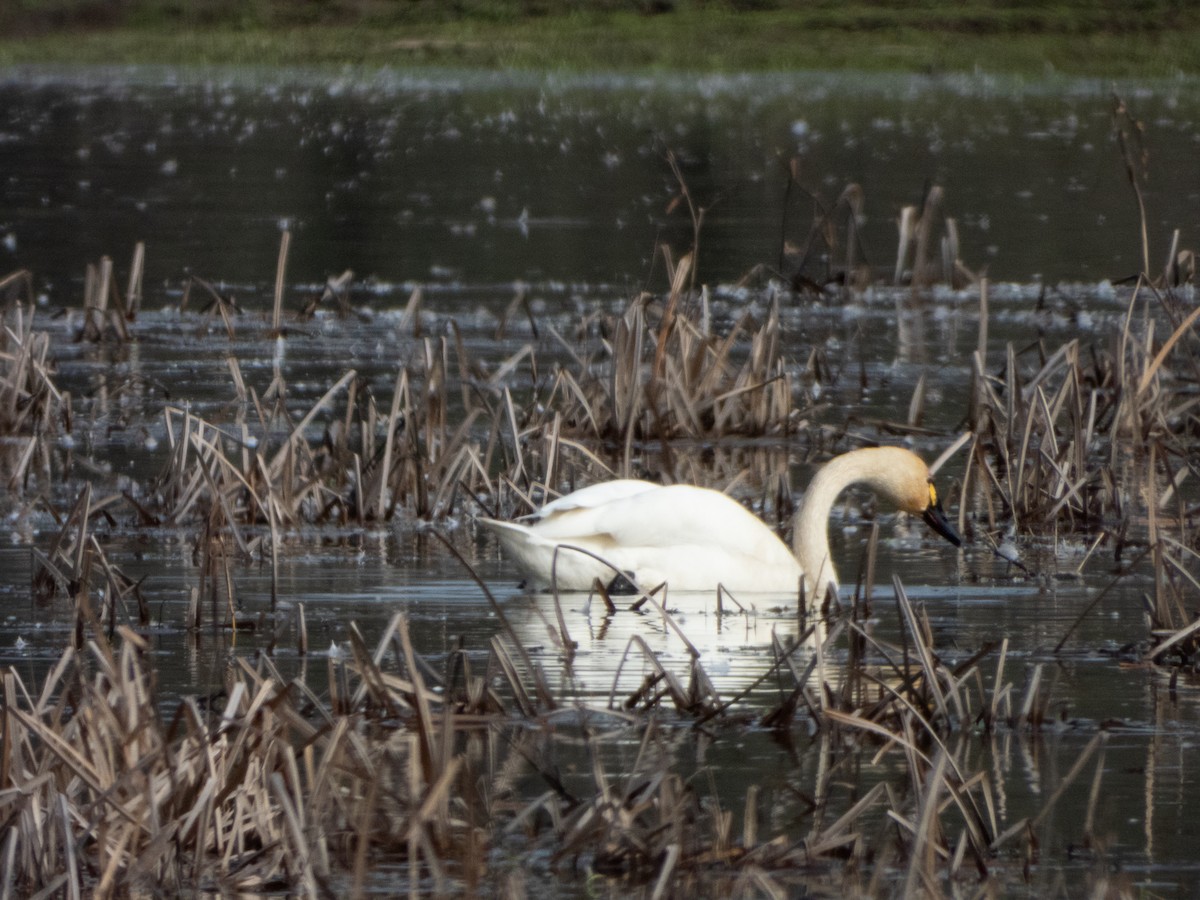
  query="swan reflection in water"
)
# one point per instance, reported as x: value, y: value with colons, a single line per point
x: 592, y: 654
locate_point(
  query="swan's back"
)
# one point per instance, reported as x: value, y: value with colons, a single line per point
x: 596, y: 495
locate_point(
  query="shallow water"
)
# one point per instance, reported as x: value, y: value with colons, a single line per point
x: 466, y: 186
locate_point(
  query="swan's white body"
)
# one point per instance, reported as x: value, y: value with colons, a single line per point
x: 692, y: 538
x: 695, y: 539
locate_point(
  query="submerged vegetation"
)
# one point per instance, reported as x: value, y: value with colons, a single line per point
x: 446, y: 774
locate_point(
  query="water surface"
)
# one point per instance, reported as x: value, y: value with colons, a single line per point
x: 473, y: 188
x: 479, y: 179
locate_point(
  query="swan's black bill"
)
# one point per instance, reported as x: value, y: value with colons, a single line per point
x: 936, y: 519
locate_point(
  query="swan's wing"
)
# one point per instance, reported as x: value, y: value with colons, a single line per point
x: 595, y: 495
x: 661, y: 518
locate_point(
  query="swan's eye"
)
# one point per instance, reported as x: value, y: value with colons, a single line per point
x: 933, y: 498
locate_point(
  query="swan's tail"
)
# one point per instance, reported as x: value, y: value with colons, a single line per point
x: 535, y: 556
x: 513, y: 536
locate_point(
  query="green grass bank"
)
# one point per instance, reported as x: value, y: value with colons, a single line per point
x: 1141, y: 38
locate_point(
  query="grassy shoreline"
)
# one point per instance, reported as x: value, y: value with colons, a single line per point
x: 690, y: 40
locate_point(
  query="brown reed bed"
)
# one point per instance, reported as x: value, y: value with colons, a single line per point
x: 1059, y: 436
x: 437, y: 775
x: 665, y: 377
x: 451, y: 777
x: 289, y: 788
x: 452, y: 431
x: 1094, y: 439
x: 1093, y: 442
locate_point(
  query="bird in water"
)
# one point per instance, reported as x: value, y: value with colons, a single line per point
x: 695, y: 538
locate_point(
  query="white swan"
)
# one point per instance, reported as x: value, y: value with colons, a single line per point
x: 694, y: 538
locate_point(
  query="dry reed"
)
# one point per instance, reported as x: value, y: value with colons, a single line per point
x: 390, y: 767
x: 108, y: 789
x: 33, y: 411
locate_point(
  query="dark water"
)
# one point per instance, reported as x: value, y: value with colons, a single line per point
x: 476, y: 179
x: 466, y: 185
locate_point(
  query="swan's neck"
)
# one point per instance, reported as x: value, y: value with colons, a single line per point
x: 810, y: 539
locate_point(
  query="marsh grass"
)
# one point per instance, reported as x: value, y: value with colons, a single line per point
x: 390, y: 762
x: 1095, y: 441
x: 665, y: 377
x: 403, y: 765
x: 452, y: 430
x: 1104, y: 40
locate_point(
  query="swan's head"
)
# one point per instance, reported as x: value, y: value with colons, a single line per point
x: 908, y: 482
x: 895, y: 473
x: 904, y: 478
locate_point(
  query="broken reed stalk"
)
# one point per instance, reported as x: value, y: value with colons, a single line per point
x: 285, y: 242
x: 915, y: 246
x: 133, y: 291
x: 33, y: 411
x: 976, y: 399
x: 696, y: 214
x: 1129, y: 132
